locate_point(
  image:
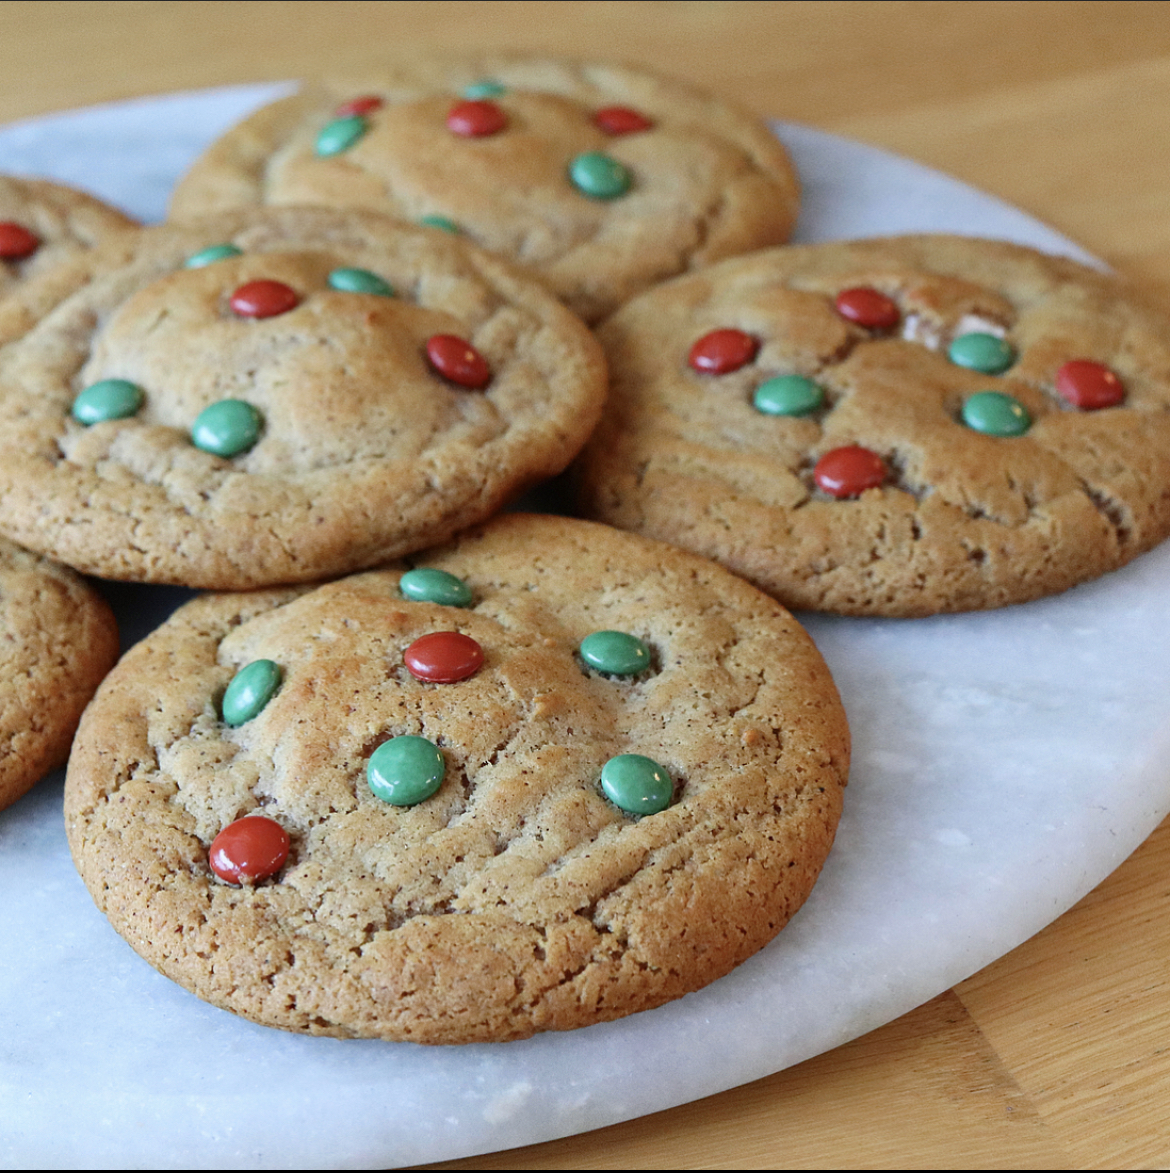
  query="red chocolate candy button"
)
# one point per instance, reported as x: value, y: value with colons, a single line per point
x: 1089, y: 385
x: 358, y: 107
x: 847, y: 472
x: 723, y: 351
x: 869, y: 308
x: 443, y: 657
x: 476, y: 118
x: 621, y: 120
x: 249, y: 850
x: 16, y: 241
x: 264, y: 299
x: 456, y: 359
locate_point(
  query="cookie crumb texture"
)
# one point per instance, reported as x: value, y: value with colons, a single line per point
x: 993, y: 486
x: 58, y: 638
x: 261, y: 417
x: 604, y: 179
x: 517, y: 899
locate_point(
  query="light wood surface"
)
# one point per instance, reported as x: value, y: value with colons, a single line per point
x: 1057, y: 1055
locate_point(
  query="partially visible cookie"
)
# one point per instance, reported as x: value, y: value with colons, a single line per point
x: 552, y: 775
x: 58, y: 639
x: 604, y: 179
x: 891, y: 427
x: 280, y: 395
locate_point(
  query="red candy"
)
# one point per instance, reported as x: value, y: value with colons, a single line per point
x: 1089, y: 385
x: 16, y: 241
x: 456, y: 359
x: 264, y: 299
x: 723, y: 351
x: 848, y: 472
x: 443, y: 657
x: 869, y: 308
x: 476, y: 118
x: 621, y: 120
x: 249, y: 850
x: 357, y: 107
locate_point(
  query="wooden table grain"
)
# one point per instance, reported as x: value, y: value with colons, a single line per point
x: 1057, y: 1055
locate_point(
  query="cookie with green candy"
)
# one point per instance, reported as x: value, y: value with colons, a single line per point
x: 545, y: 776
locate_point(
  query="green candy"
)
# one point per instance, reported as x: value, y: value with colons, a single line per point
x: 996, y: 414
x: 788, y: 395
x: 252, y: 687
x: 226, y: 428
x: 442, y: 223
x: 405, y: 771
x: 208, y: 256
x: 615, y: 652
x: 984, y: 353
x: 600, y: 176
x: 340, y: 134
x: 109, y: 399
x: 636, y: 784
x: 426, y: 585
x: 360, y: 281
x: 488, y: 87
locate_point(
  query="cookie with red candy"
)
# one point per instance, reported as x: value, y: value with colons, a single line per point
x: 890, y: 427
x: 605, y: 179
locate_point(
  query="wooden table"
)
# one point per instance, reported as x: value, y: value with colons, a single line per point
x: 1057, y: 1055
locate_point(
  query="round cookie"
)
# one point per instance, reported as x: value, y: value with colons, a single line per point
x: 518, y: 897
x: 58, y: 639
x: 602, y: 178
x: 280, y: 395
x: 890, y: 427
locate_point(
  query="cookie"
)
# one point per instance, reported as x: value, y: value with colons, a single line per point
x: 892, y: 427
x: 550, y: 775
x: 603, y: 179
x: 280, y: 395
x: 58, y: 639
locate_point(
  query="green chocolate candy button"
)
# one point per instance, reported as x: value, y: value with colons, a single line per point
x: 615, y: 652
x: 487, y: 87
x: 637, y: 784
x: 426, y: 585
x: 109, y: 399
x: 600, y: 176
x: 405, y: 771
x: 360, y: 281
x: 996, y: 414
x: 226, y: 428
x: 208, y: 256
x: 984, y: 353
x: 340, y: 134
x: 442, y: 223
x: 788, y: 395
x: 252, y: 687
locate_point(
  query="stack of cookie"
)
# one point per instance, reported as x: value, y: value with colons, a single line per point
x: 516, y: 772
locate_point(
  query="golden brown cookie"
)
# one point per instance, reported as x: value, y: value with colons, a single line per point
x: 891, y: 427
x: 602, y: 178
x: 58, y: 639
x: 279, y: 395
x: 511, y: 670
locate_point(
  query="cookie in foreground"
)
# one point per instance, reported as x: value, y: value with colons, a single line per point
x: 549, y: 775
x: 282, y: 395
x: 603, y: 178
x: 59, y: 640
x: 890, y: 427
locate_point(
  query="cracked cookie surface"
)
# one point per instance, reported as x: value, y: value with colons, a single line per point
x: 517, y: 898
x: 347, y: 441
x: 705, y: 180
x: 963, y: 517
x: 58, y: 638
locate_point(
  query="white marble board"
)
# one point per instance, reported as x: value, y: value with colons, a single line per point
x: 1004, y: 764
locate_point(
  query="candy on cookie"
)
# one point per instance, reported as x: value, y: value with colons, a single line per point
x: 605, y: 179
x: 596, y: 777
x: 890, y: 427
